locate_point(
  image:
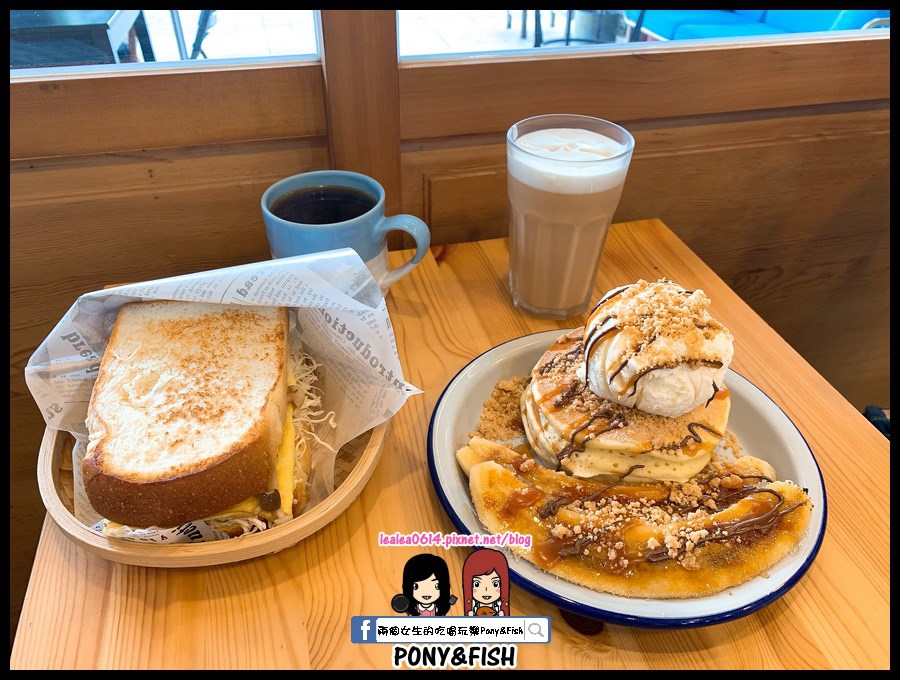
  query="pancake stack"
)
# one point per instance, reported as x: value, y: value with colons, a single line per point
x: 638, y: 391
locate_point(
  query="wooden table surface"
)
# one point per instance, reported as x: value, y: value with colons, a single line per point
x: 293, y: 609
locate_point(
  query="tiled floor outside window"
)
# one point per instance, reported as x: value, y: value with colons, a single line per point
x: 249, y: 33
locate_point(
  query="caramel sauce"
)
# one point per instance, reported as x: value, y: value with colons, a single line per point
x: 615, y: 566
x: 523, y: 498
x: 523, y: 449
x: 568, y: 394
x: 756, y: 508
x: 517, y: 463
x: 566, y: 496
x: 575, y: 445
x: 633, y: 381
x: 762, y: 515
x: 516, y: 424
x: 633, y: 536
x: 594, y: 496
x: 638, y: 491
x: 692, y: 449
x: 553, y: 394
x: 546, y: 553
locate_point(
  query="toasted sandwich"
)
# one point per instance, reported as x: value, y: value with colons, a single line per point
x: 191, y: 419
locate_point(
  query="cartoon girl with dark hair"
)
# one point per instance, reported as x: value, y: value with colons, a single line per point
x: 426, y: 587
x: 486, y: 583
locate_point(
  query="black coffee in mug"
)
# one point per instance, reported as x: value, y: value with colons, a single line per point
x: 326, y: 210
x: 323, y: 204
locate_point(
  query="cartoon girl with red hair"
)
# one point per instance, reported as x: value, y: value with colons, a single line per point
x: 486, y: 583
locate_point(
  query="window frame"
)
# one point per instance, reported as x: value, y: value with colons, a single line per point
x: 57, y: 115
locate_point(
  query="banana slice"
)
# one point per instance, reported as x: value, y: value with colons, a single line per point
x: 662, y: 540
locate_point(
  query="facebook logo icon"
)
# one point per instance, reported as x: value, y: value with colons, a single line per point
x: 362, y: 629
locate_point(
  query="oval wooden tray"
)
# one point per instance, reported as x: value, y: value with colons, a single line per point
x: 354, y: 465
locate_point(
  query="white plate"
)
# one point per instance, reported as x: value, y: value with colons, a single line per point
x: 760, y: 425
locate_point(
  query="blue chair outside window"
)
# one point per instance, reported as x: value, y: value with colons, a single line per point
x: 692, y: 24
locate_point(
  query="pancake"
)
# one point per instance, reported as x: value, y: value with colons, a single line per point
x: 571, y: 428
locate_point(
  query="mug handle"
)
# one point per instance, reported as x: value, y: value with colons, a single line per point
x: 416, y: 228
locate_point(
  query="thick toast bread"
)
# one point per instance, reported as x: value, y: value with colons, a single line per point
x: 187, y: 411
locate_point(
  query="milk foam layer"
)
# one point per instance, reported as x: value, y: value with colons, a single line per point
x: 568, y: 161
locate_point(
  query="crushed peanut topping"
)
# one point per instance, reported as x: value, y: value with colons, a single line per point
x: 528, y: 465
x: 500, y: 419
x: 561, y: 531
x: 645, y: 311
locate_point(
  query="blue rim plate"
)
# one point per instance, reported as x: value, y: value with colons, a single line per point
x: 762, y: 427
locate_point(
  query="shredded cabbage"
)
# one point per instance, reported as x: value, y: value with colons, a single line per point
x: 250, y: 525
x: 308, y: 409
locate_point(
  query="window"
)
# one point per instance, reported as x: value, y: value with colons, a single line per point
x: 434, y: 32
x: 723, y: 25
x: 430, y: 33
x: 90, y: 40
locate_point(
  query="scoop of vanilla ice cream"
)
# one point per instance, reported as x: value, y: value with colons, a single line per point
x: 656, y: 349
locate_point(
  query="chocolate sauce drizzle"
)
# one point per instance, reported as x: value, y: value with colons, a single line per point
x: 594, y: 496
x: 548, y: 366
x: 618, y: 370
x: 574, y: 351
x: 633, y: 383
x: 593, y: 338
x: 552, y: 506
x: 569, y: 394
x: 725, y: 531
x: 575, y: 548
x: 607, y: 297
x: 692, y: 436
x: 572, y: 446
x: 715, y: 392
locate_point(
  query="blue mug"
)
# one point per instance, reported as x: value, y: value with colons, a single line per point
x: 366, y: 233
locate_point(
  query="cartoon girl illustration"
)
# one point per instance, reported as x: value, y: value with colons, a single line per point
x: 426, y: 587
x: 486, y: 583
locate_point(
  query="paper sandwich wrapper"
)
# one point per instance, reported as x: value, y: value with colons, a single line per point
x: 339, y: 314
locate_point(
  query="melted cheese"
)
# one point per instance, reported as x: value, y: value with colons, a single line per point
x: 281, y: 477
x: 284, y: 464
x: 248, y: 506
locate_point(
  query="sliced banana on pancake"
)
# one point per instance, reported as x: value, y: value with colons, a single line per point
x: 655, y: 540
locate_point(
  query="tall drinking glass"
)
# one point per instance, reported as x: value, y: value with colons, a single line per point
x: 564, y: 177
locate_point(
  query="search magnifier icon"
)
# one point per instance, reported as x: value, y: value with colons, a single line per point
x: 535, y: 629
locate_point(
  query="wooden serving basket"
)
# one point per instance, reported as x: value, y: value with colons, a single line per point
x: 353, y: 466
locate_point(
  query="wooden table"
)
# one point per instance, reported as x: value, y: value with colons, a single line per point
x: 292, y: 610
